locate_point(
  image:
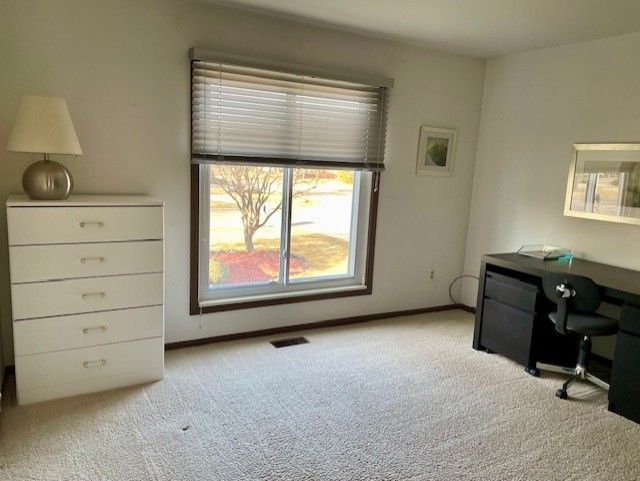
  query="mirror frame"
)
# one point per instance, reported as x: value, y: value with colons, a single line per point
x: 572, y: 171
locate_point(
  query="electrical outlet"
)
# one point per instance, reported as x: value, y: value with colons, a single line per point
x: 431, y: 274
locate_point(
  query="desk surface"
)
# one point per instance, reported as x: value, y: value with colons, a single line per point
x: 617, y: 281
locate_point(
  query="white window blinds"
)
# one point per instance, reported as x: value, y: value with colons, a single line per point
x: 253, y: 115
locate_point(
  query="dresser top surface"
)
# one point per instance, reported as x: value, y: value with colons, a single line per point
x: 22, y: 200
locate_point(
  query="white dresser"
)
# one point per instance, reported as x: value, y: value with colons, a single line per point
x: 87, y: 293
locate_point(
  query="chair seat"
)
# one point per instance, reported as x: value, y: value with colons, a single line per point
x: 589, y: 324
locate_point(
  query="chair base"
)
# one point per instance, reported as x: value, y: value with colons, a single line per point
x: 577, y: 373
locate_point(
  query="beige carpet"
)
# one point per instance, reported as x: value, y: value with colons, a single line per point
x: 403, y: 399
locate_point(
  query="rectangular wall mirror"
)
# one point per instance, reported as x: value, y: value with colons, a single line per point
x: 604, y: 183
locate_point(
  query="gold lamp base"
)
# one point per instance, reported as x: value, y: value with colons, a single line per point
x: 47, y: 180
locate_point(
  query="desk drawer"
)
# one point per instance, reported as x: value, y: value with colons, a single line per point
x: 55, y: 298
x: 510, y: 291
x: 507, y: 331
x: 66, y: 373
x: 68, y: 261
x: 630, y: 319
x: 83, y: 330
x: 48, y: 225
x: 624, y: 393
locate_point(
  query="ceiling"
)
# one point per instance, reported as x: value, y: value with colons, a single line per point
x: 480, y: 28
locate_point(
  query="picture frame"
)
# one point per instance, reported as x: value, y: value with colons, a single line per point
x: 604, y: 182
x: 436, y: 151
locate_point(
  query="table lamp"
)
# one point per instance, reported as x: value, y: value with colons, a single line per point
x: 43, y: 125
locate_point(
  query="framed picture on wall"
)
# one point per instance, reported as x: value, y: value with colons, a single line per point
x: 436, y: 151
x: 604, y: 183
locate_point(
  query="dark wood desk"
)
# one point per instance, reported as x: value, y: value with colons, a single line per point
x: 512, y: 310
x: 618, y: 284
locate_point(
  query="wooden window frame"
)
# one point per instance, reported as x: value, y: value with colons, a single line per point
x: 194, y: 302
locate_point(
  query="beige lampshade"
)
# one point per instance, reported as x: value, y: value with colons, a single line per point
x: 43, y: 125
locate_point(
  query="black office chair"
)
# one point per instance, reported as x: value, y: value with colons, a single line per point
x: 577, y: 298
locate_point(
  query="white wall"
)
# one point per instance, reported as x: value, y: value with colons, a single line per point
x: 122, y: 66
x: 536, y: 105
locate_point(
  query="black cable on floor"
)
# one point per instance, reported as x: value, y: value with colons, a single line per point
x: 456, y: 303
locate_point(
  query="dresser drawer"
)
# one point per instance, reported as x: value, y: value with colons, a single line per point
x: 55, y: 298
x: 59, y: 225
x: 68, y: 261
x: 66, y: 373
x: 83, y: 330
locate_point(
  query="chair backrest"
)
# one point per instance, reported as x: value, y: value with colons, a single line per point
x: 585, y: 295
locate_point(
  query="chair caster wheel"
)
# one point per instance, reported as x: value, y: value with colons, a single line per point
x: 562, y: 394
x: 533, y: 371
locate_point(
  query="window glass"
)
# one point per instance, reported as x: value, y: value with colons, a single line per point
x: 245, y: 225
x: 321, y: 223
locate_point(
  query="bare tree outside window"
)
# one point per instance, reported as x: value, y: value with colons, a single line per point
x: 251, y: 187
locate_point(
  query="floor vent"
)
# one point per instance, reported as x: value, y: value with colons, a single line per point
x: 292, y: 341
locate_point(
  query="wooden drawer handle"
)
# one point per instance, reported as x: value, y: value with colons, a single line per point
x: 88, y: 330
x: 97, y: 259
x: 90, y: 295
x: 87, y: 223
x: 96, y: 363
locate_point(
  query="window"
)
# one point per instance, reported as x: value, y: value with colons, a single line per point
x: 285, y: 173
